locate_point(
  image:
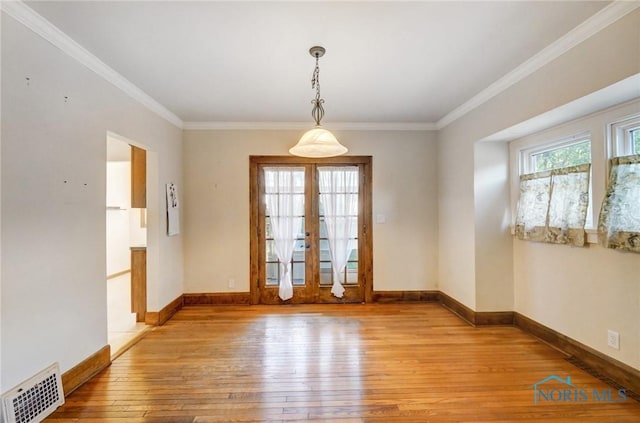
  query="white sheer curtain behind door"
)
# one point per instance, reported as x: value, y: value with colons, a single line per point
x: 339, y: 200
x: 284, y: 195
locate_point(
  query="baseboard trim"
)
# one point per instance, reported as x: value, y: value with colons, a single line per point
x: 217, y: 298
x: 615, y: 370
x: 494, y: 318
x: 476, y: 318
x: 159, y: 318
x: 602, y: 364
x: 244, y: 298
x: 405, y: 296
x: 124, y: 348
x: 81, y: 373
x: 457, y: 308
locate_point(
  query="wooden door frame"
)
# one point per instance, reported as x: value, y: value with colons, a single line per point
x: 138, y: 280
x: 256, y: 226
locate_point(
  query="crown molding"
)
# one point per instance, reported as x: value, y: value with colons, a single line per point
x: 38, y: 24
x: 383, y: 126
x: 301, y: 126
x: 18, y: 10
x: 246, y: 125
x: 605, y: 17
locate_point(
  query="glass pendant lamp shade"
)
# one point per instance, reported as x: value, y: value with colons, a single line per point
x: 317, y: 143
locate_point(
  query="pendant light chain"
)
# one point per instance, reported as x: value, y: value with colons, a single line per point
x: 317, y: 142
x: 318, y: 110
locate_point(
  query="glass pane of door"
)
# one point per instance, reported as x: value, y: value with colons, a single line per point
x: 284, y: 220
x: 338, y: 224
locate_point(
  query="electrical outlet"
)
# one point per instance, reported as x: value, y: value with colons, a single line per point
x: 232, y: 283
x: 613, y: 339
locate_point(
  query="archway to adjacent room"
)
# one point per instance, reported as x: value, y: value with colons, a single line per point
x: 126, y: 238
x: 316, y: 262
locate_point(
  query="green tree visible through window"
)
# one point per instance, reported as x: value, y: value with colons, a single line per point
x: 571, y: 155
x: 635, y: 141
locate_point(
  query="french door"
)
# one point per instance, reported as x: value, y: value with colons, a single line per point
x: 311, y: 239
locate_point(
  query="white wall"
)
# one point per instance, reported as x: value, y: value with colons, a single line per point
x: 544, y: 289
x: 53, y: 243
x: 1, y: 61
x: 493, y: 241
x: 118, y: 195
x: 581, y: 292
x: 217, y: 194
x: 456, y: 219
x: 609, y: 56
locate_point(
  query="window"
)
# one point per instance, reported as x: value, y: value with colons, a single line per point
x: 554, y: 191
x: 619, y: 225
x: 572, y: 151
x: 571, y: 155
x: 619, y: 222
x: 635, y: 137
x: 624, y: 137
x: 553, y: 205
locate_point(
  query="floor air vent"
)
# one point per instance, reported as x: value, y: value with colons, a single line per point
x: 34, y: 399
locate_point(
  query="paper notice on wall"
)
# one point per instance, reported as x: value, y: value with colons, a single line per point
x: 173, y: 216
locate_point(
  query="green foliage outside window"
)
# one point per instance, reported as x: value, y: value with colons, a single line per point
x: 571, y: 155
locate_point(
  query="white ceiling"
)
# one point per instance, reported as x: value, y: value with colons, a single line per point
x: 239, y: 61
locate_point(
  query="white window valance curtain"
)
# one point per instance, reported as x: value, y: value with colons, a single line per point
x: 553, y: 205
x: 619, y: 223
x: 284, y: 196
x: 339, y: 201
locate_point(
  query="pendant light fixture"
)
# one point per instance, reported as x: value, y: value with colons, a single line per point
x: 317, y: 142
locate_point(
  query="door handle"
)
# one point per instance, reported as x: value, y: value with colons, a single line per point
x: 307, y: 234
x: 307, y: 246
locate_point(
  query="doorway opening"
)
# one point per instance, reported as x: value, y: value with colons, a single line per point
x: 311, y: 238
x: 126, y: 237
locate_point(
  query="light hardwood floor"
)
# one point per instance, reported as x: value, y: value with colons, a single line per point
x: 347, y: 363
